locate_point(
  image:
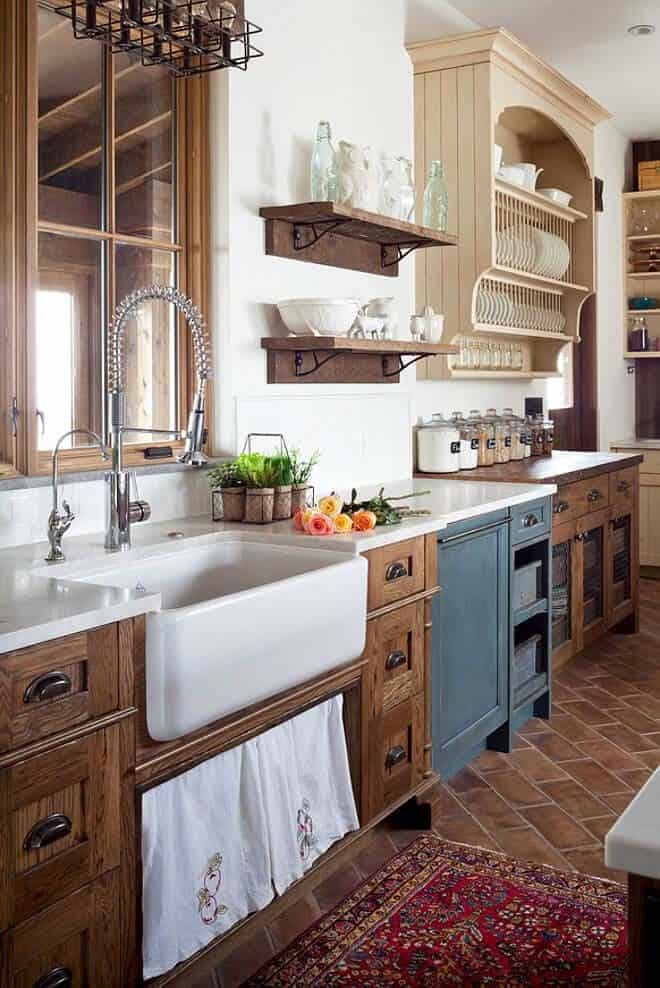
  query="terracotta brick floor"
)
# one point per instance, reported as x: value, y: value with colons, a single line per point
x: 551, y: 800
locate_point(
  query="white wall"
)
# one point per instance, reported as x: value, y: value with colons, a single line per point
x: 345, y: 63
x: 616, y: 388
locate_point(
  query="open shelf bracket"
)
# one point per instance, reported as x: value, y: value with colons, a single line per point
x: 319, y: 230
x: 318, y: 364
x: 401, y: 364
x: 401, y: 251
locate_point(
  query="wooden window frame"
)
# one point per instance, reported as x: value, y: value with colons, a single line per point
x: 19, y: 237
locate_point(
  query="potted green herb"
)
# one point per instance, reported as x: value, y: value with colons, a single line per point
x: 260, y: 477
x: 281, y: 465
x: 227, y: 483
x: 301, y: 471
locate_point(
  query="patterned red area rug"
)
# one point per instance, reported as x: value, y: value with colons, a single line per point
x: 445, y: 914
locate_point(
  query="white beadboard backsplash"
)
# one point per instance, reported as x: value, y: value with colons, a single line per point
x: 24, y: 513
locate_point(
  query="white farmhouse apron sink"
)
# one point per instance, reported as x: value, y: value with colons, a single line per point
x: 240, y: 621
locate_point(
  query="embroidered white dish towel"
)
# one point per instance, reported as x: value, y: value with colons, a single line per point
x: 307, y: 789
x: 205, y: 856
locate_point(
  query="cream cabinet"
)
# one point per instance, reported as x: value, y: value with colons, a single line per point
x: 649, y: 504
x: 525, y: 265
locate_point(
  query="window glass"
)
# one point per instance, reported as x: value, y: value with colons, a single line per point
x: 69, y: 382
x: 70, y: 125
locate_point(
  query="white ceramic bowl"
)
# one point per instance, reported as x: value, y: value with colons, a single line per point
x: 319, y: 316
x: 556, y: 195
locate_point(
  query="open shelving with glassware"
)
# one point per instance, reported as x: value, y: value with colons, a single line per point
x: 641, y: 248
x: 535, y: 255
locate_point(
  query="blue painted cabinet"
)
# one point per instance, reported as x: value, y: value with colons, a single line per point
x: 470, y: 665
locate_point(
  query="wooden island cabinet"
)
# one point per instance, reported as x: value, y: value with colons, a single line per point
x: 595, y: 541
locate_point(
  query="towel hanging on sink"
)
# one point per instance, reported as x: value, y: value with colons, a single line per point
x: 205, y: 856
x: 220, y: 839
x: 307, y: 789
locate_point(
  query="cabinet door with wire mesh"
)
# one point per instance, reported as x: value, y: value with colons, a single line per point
x: 565, y: 589
x: 621, y: 568
x: 592, y: 541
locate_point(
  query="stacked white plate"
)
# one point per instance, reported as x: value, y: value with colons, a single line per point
x: 535, y: 251
x: 497, y: 308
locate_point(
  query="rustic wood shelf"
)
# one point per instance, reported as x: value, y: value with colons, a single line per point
x: 344, y: 360
x: 343, y: 237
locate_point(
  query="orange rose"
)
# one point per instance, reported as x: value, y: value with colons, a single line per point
x: 320, y: 525
x: 364, y: 521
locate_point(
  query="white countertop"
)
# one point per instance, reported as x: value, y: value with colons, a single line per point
x: 633, y: 843
x: 40, y: 602
x: 636, y: 444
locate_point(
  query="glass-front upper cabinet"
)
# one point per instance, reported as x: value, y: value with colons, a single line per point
x: 98, y: 154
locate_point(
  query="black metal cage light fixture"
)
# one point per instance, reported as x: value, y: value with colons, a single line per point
x: 187, y: 37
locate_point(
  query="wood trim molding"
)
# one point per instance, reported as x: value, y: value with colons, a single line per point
x: 20, y: 226
x: 499, y: 46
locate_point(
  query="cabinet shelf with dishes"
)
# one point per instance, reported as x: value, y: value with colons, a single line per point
x: 641, y: 255
x: 525, y: 263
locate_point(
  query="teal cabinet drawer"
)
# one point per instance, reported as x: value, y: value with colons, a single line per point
x: 529, y: 521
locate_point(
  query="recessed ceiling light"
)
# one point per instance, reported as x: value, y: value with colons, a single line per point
x: 639, y: 30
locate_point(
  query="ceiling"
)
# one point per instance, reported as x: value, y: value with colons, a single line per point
x: 586, y: 40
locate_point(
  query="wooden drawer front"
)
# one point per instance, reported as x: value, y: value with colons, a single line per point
x: 60, y: 813
x: 79, y: 935
x: 396, y: 652
x: 403, y: 748
x: 596, y: 493
x: 529, y: 521
x: 395, y: 572
x: 567, y: 504
x: 622, y: 488
x: 52, y: 687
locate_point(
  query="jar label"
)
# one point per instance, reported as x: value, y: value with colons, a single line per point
x: 474, y: 444
x: 507, y: 441
x: 490, y: 444
x: 455, y: 447
x: 526, y: 439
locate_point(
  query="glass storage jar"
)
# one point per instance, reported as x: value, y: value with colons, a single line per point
x: 538, y: 435
x: 486, y: 439
x: 526, y: 437
x: 548, y: 437
x: 469, y: 454
x: 438, y: 446
x: 516, y: 432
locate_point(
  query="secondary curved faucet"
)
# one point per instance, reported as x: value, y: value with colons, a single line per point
x: 120, y: 510
x: 59, y: 522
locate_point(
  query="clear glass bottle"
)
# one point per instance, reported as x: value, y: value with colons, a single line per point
x: 436, y: 199
x: 324, y: 166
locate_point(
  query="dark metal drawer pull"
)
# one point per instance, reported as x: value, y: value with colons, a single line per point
x: 47, y: 687
x: 594, y: 495
x: 394, y: 756
x: 395, y: 659
x: 623, y: 486
x: 59, y: 977
x: 530, y: 520
x: 580, y: 537
x: 560, y: 507
x: 395, y: 571
x: 47, y: 831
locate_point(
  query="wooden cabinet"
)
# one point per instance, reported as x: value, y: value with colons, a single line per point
x: 402, y: 582
x: 52, y: 687
x: 68, y: 853
x: 73, y: 944
x: 470, y: 685
x: 473, y: 91
x: 648, y: 545
x: 595, y: 561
